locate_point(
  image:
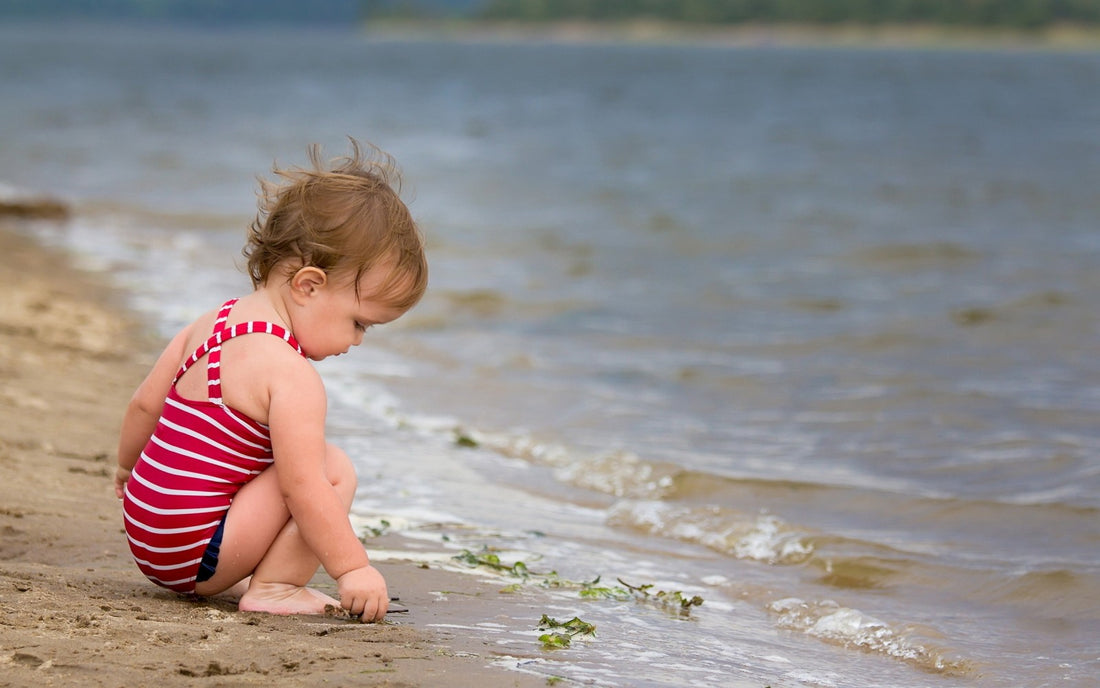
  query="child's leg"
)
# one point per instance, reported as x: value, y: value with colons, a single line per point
x: 261, y: 539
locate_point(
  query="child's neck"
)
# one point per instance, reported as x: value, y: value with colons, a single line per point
x: 272, y: 301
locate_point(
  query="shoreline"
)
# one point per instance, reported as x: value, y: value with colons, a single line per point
x: 75, y: 610
x: 1061, y: 37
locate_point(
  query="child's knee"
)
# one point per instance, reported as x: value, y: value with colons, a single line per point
x: 338, y: 467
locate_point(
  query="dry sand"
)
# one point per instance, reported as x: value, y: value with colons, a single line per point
x: 74, y: 610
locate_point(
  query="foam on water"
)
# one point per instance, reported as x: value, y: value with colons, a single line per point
x: 762, y: 537
x: 833, y: 623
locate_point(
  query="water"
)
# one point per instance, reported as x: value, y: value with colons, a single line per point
x: 809, y: 333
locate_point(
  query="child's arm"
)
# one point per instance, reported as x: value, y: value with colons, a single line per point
x: 143, y: 411
x: 297, y: 420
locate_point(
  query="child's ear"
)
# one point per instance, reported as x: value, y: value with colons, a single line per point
x: 307, y: 281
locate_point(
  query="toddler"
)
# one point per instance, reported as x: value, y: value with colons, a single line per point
x: 225, y: 475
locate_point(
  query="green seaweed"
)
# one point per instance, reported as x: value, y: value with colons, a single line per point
x: 673, y: 602
x: 491, y: 560
x: 376, y: 531
x: 562, y: 632
x: 464, y: 440
x: 593, y: 591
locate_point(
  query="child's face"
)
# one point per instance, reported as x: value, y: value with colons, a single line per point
x: 334, y: 319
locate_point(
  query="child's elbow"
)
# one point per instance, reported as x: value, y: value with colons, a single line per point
x: 144, y: 411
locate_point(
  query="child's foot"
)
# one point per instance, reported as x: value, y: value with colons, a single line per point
x: 284, y: 598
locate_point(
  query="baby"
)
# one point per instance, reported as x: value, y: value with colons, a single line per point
x: 225, y: 474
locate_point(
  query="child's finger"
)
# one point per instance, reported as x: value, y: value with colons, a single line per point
x: 376, y: 609
x: 367, y: 615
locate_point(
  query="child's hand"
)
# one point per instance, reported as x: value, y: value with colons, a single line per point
x: 122, y: 475
x: 363, y: 593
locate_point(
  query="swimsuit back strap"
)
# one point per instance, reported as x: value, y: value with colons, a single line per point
x: 213, y: 347
x: 214, y: 360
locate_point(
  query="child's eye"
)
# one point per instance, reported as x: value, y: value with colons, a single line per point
x: 362, y: 327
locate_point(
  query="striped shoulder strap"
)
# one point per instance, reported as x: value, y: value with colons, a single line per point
x: 213, y: 347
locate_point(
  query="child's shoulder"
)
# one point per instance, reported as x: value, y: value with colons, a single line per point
x: 275, y: 365
x: 203, y: 328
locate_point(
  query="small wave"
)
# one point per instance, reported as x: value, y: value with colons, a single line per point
x: 618, y: 473
x: 442, y: 307
x: 763, y: 537
x: 476, y: 302
x: 917, y: 256
x: 1063, y: 594
x: 1025, y: 310
x: 847, y: 627
x: 621, y: 474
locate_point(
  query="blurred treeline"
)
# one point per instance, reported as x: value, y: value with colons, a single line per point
x: 1019, y: 14
x: 210, y: 11
x: 1023, y: 14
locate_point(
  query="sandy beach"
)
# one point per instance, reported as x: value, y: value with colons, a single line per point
x: 73, y: 608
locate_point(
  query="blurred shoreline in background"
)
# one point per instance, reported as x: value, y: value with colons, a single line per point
x: 655, y: 32
x: 976, y: 24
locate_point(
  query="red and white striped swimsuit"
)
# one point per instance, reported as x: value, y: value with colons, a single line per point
x: 200, y: 454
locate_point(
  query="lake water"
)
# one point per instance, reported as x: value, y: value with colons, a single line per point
x: 809, y: 333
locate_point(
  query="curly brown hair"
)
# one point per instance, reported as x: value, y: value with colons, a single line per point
x: 344, y: 218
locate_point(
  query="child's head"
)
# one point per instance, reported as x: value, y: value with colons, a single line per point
x: 345, y: 219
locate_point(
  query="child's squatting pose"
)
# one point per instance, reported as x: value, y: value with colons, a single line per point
x: 224, y: 471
